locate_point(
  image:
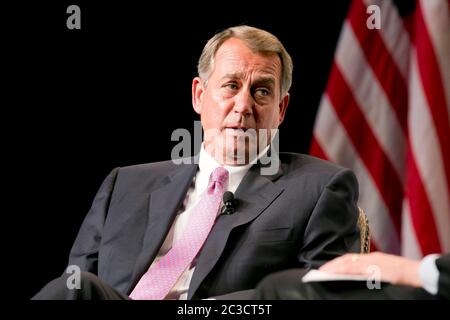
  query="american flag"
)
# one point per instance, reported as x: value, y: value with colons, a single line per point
x: 385, y: 113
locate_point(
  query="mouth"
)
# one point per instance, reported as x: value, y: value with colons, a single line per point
x: 236, y: 129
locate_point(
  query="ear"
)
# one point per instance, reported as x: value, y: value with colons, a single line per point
x: 283, y: 106
x: 197, y: 94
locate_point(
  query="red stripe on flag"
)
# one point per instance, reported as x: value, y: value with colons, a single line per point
x: 316, y: 150
x: 381, y: 61
x: 378, y: 164
x: 373, y: 247
x: 421, y: 213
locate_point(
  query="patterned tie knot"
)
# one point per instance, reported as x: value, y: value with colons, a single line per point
x: 218, y: 176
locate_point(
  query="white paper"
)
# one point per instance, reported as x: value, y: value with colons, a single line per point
x: 316, y: 275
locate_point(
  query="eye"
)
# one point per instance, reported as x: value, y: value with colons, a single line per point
x: 231, y: 85
x: 262, y: 92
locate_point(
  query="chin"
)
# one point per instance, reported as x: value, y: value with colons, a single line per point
x: 241, y: 155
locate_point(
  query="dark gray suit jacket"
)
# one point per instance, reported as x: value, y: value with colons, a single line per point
x: 443, y: 265
x: 302, y: 216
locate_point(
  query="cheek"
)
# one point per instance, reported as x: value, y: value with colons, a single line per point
x: 267, y: 119
x: 212, y: 117
x: 216, y: 111
x: 212, y: 120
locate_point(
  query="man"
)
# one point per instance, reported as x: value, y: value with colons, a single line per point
x: 145, y: 236
x: 402, y: 278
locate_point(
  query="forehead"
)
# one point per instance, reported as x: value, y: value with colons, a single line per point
x: 234, y: 56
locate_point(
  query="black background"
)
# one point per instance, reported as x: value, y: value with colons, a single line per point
x: 81, y: 102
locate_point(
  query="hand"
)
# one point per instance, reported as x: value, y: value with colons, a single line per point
x: 393, y: 269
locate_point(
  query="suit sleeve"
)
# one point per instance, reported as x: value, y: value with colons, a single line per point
x: 332, y: 229
x: 443, y: 265
x: 84, y: 253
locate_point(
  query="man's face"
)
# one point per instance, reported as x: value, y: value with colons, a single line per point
x: 242, y: 97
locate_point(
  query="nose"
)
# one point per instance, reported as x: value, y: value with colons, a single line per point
x: 243, y: 103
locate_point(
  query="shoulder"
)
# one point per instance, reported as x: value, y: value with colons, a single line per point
x: 302, y: 163
x: 301, y: 168
x: 161, y: 167
x: 148, y: 174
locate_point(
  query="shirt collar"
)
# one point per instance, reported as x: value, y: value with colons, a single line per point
x: 236, y: 173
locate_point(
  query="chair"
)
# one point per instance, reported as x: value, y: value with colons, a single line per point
x: 363, y: 224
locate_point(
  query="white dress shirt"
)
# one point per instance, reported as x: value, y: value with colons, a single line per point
x: 206, y: 165
x: 429, y: 273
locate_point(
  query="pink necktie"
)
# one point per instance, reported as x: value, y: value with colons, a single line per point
x: 156, y: 283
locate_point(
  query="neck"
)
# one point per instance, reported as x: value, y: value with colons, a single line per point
x: 234, y: 158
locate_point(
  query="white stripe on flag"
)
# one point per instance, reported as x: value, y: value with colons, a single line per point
x: 410, y: 246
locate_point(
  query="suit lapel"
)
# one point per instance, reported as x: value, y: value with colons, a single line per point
x: 163, y: 206
x: 255, y: 193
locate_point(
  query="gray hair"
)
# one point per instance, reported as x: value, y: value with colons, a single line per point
x: 258, y: 40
